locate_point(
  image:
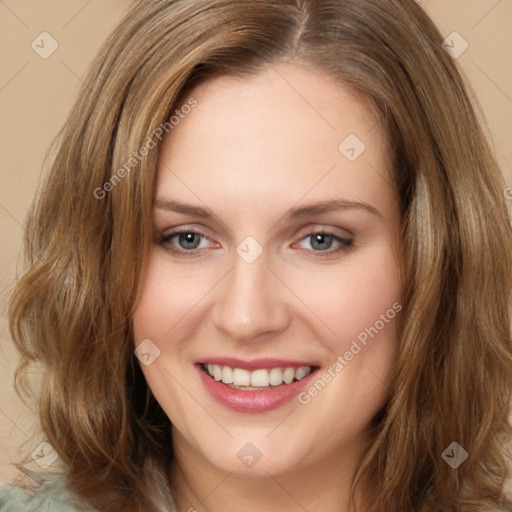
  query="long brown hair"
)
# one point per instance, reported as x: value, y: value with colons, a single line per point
x: 87, y: 244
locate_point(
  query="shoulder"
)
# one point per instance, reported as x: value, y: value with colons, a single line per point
x: 45, y: 493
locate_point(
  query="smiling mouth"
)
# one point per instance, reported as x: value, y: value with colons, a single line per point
x: 256, y: 380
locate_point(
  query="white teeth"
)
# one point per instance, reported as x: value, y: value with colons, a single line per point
x: 241, y: 377
x: 275, y: 376
x: 257, y: 378
x: 227, y: 375
x: 260, y: 378
x: 302, y: 371
x: 288, y: 375
x: 217, y: 372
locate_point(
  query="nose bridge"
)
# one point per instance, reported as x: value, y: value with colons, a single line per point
x: 250, y: 302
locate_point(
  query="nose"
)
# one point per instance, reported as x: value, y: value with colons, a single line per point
x: 251, y: 302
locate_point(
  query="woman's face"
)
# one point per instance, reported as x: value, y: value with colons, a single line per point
x: 275, y: 226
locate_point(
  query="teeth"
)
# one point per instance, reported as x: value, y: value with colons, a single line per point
x: 302, y: 371
x: 227, y: 375
x: 217, y: 372
x: 258, y: 378
x: 275, y: 376
x: 240, y: 377
x: 288, y: 375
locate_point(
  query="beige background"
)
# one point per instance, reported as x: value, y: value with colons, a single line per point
x: 36, y: 94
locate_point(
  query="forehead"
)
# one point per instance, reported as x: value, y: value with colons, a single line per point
x: 283, y: 134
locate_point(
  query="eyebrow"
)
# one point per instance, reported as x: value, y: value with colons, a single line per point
x: 292, y: 214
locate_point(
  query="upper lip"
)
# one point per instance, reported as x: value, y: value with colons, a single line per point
x: 255, y: 364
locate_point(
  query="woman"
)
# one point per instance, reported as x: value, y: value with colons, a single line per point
x: 270, y: 270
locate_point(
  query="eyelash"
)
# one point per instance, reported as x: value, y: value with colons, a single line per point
x: 345, y: 244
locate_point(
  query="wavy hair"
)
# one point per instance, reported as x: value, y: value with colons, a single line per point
x: 86, y: 250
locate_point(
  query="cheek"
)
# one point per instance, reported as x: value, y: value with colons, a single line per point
x: 167, y: 297
x: 342, y: 299
x: 350, y: 297
x: 160, y: 316
x: 360, y: 307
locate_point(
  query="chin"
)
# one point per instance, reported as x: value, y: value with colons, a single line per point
x: 255, y: 458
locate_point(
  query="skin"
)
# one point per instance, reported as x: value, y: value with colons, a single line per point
x: 249, y: 151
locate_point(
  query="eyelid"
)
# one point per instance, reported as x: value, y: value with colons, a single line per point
x: 325, y: 232
x: 323, y: 228
x: 344, y: 243
x: 307, y: 231
x: 185, y: 230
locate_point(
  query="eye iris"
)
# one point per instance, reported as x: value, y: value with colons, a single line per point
x: 186, y: 240
x: 322, y: 240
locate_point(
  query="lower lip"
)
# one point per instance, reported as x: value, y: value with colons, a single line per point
x: 252, y: 401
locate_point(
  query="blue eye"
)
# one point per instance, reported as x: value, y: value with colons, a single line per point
x: 322, y: 241
x: 187, y: 243
x: 187, y: 240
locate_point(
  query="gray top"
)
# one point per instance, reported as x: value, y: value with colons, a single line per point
x: 53, y: 495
